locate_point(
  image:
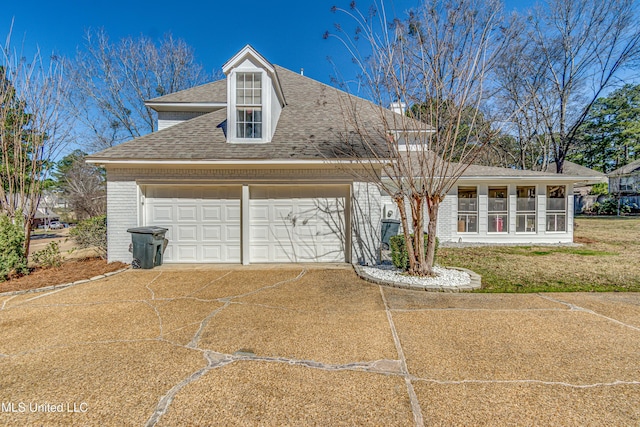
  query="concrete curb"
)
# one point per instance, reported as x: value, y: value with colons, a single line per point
x: 64, y: 285
x: 476, y: 282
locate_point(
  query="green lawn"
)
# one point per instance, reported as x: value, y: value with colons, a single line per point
x: 607, y: 260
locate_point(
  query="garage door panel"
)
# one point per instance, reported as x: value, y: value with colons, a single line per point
x: 259, y: 233
x: 232, y: 232
x: 259, y: 213
x: 162, y: 213
x: 187, y: 252
x: 212, y: 253
x: 211, y: 213
x: 187, y: 233
x: 232, y: 212
x: 187, y: 213
x: 259, y: 253
x: 212, y: 233
x: 232, y: 253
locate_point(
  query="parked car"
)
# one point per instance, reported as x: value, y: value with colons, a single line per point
x: 56, y: 225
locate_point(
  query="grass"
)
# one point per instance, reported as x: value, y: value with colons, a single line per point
x: 607, y: 260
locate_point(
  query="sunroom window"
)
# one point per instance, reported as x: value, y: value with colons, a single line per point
x: 526, y: 209
x: 556, y: 208
x: 498, y: 211
x: 249, y: 105
x: 467, y: 210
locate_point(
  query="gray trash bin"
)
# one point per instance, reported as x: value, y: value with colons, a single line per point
x: 148, y: 244
x: 389, y: 228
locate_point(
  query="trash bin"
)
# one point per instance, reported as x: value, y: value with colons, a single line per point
x: 148, y: 245
x: 389, y: 228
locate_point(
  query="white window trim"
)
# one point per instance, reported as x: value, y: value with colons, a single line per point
x: 534, y: 212
x: 468, y: 213
x: 233, y: 106
x: 500, y: 213
x: 564, y: 212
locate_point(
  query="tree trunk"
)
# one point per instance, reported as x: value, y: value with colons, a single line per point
x: 433, y: 204
x: 405, y: 230
x: 420, y: 267
x: 27, y: 237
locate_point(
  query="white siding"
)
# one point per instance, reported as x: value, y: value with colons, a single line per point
x: 169, y: 118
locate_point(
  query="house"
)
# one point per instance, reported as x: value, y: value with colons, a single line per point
x: 625, y: 181
x: 248, y: 170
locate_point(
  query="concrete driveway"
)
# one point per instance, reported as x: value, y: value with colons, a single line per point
x: 313, y: 346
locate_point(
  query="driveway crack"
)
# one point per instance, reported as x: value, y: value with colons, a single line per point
x: 214, y: 360
x: 415, y: 404
x: 574, y: 307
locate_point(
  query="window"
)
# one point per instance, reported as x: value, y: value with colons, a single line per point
x: 556, y: 208
x: 626, y: 184
x: 467, y: 210
x: 526, y: 209
x: 249, y: 105
x: 498, y: 210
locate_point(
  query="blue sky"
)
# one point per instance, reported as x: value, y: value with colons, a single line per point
x: 287, y: 33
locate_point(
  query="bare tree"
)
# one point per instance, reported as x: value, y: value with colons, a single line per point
x: 573, y: 51
x: 111, y: 81
x: 33, y: 130
x: 84, y: 187
x: 437, y: 61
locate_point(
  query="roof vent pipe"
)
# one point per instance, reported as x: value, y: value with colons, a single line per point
x: 398, y: 107
x: 302, y: 71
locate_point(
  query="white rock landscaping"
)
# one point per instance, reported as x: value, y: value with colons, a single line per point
x: 447, y: 279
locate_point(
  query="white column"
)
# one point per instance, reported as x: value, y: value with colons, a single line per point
x: 244, y: 225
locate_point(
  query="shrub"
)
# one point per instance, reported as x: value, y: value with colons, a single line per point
x: 12, y: 258
x: 601, y: 188
x: 91, y: 233
x: 49, y: 256
x: 610, y: 207
x: 399, y: 254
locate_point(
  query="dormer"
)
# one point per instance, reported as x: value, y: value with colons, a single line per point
x: 254, y: 98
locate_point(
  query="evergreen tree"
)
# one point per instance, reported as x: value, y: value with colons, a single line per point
x: 610, y: 136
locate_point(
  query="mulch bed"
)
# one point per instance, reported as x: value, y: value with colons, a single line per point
x: 69, y: 271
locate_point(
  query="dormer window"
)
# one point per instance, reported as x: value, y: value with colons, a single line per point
x: 249, y: 105
x: 254, y: 98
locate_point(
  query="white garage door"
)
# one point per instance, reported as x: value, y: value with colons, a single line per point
x: 203, y: 222
x: 297, y: 224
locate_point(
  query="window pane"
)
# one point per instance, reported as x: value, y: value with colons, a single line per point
x: 240, y: 130
x: 498, y: 223
x: 467, y: 223
x: 526, y: 223
x: 257, y: 130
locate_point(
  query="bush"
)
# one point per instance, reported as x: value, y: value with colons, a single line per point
x: 610, y: 207
x: 399, y: 254
x: 91, y: 233
x: 12, y: 258
x: 49, y: 256
x: 601, y: 188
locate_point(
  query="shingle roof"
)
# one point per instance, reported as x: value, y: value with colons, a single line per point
x: 627, y: 169
x: 209, y: 92
x: 575, y: 169
x: 309, y: 127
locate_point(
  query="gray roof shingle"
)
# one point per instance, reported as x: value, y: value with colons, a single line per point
x: 626, y: 169
x: 309, y: 127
